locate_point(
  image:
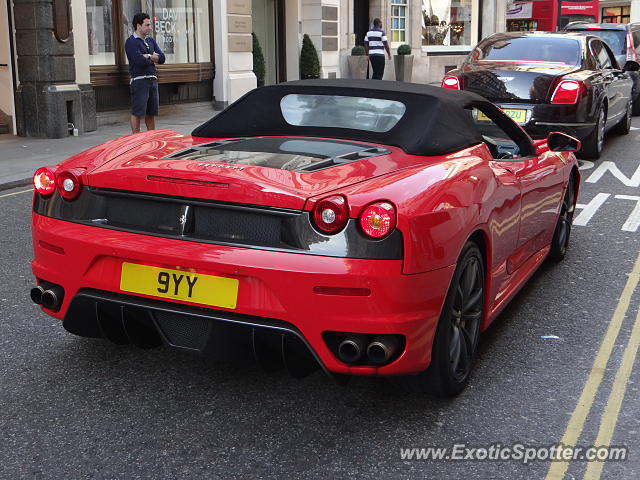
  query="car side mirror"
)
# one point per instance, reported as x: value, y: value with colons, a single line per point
x: 561, y: 142
x: 631, y: 66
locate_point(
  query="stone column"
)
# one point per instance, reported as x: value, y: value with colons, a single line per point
x: 47, y: 98
x: 319, y: 19
x: 233, y: 47
x: 635, y: 11
x: 501, y: 17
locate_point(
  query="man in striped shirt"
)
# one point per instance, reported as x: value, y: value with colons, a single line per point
x: 375, y: 43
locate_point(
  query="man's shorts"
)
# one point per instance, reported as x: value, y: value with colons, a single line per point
x: 144, y: 97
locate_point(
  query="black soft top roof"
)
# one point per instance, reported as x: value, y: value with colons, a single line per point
x: 436, y: 120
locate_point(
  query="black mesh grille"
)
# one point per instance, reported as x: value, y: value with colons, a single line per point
x: 184, y: 331
x: 147, y: 215
x: 225, y: 225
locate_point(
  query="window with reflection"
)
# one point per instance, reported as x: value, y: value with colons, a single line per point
x: 359, y: 113
x: 180, y: 27
x: 446, y: 22
x: 100, y: 32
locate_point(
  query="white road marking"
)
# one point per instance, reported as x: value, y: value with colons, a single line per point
x: 585, y: 165
x: 589, y: 209
x: 597, y: 174
x: 633, y: 221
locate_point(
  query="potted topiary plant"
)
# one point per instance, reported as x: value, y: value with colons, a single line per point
x: 358, y: 62
x: 309, y: 63
x: 403, y: 62
x: 258, y: 61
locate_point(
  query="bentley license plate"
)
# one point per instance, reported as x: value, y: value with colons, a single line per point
x: 179, y: 285
x: 516, y: 114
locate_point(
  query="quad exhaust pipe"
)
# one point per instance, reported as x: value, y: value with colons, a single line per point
x: 382, y: 349
x: 48, y: 295
x: 362, y: 349
x: 351, y: 348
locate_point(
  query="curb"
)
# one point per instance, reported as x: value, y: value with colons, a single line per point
x: 14, y: 184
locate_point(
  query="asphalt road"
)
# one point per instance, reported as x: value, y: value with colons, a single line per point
x: 79, y: 408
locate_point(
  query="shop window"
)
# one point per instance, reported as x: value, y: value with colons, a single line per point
x: 203, y: 48
x: 180, y: 27
x: 100, y: 32
x: 616, y: 14
x: 446, y: 22
x: 522, y: 25
x: 398, y: 21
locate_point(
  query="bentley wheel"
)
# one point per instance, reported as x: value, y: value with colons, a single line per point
x: 562, y: 232
x: 456, y: 339
x: 636, y: 105
x: 592, y: 145
x: 624, y: 126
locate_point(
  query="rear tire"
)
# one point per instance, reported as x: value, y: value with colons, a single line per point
x: 561, y: 235
x: 592, y: 146
x: 636, y: 106
x: 456, y: 340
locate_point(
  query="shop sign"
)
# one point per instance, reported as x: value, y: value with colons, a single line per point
x: 519, y: 10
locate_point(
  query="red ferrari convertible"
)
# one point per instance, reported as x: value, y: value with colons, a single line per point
x: 366, y: 228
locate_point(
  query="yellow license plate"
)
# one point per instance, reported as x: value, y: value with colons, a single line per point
x: 179, y: 285
x: 517, y: 115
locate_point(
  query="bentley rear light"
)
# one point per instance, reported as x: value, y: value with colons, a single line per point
x: 567, y: 92
x: 69, y: 184
x: 378, y: 219
x: 331, y: 214
x: 44, y: 181
x: 451, y: 82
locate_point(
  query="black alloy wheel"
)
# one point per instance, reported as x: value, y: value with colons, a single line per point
x: 561, y: 235
x: 624, y: 125
x: 456, y: 339
x: 592, y: 145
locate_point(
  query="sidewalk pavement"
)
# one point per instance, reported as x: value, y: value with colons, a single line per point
x: 21, y: 156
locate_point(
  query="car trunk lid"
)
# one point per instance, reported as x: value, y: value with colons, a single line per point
x: 274, y: 171
x: 514, y: 82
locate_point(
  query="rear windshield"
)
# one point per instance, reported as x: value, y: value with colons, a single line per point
x: 529, y: 49
x: 614, y: 38
x: 359, y: 113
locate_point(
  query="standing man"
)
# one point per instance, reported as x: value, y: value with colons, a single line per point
x: 375, y: 43
x: 143, y: 53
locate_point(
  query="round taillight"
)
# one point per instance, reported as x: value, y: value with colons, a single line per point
x: 378, y: 219
x: 69, y: 184
x: 451, y: 82
x: 331, y: 214
x: 44, y: 181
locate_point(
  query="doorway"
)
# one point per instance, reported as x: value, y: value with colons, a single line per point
x: 360, y: 20
x: 268, y: 25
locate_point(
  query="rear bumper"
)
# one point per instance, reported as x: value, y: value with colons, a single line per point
x: 546, y: 118
x: 275, y: 287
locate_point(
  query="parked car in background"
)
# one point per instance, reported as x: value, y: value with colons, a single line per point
x: 365, y: 228
x: 552, y: 81
x: 624, y: 40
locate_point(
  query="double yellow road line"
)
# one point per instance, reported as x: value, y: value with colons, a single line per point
x: 558, y: 469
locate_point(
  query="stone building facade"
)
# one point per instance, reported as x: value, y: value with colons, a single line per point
x: 62, y: 62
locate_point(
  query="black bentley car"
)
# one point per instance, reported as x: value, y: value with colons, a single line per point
x: 624, y: 40
x: 552, y: 81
